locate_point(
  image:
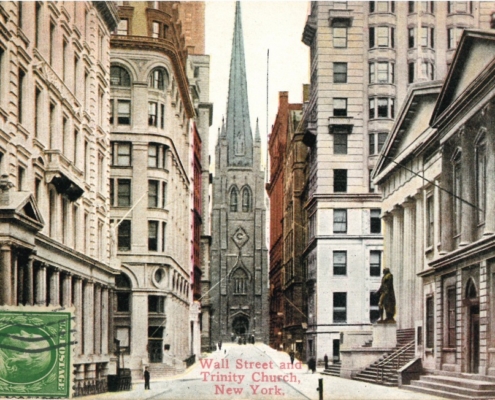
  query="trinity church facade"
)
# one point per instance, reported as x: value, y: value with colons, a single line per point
x: 239, y: 268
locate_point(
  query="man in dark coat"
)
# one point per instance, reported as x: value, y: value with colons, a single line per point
x: 387, y: 297
x: 146, y: 379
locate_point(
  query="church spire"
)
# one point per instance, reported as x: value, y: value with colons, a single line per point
x: 238, y: 128
x: 257, y: 136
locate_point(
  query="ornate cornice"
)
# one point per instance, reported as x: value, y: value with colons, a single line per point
x: 166, y: 47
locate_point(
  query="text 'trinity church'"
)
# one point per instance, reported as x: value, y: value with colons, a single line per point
x: 239, y: 268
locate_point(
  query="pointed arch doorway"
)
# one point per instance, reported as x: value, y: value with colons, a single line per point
x: 473, y: 327
x: 240, y: 326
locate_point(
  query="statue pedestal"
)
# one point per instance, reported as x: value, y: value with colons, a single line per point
x: 385, y: 335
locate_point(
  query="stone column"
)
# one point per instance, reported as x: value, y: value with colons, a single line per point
x: 407, y: 284
x: 41, y: 285
x: 79, y: 314
x: 67, y: 290
x: 97, y: 319
x: 490, y: 182
x: 7, y: 289
x: 30, y: 280
x: 446, y: 202
x: 388, y: 220
x: 15, y: 276
x: 88, y: 317
x: 104, y: 320
x: 55, y: 287
x: 468, y: 186
x: 419, y: 254
x: 397, y: 267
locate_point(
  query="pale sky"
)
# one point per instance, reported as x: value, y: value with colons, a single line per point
x: 273, y: 25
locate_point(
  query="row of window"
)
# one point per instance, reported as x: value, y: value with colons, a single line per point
x: 340, y: 307
x: 120, y: 77
x: 341, y: 137
x: 340, y: 221
x: 379, y: 107
x: 120, y: 113
x: 384, y: 36
x: 246, y: 200
x: 121, y: 155
x: 462, y: 7
x: 156, y: 236
x: 120, y: 193
x: 340, y: 262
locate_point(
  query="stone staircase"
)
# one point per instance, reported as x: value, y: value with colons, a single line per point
x: 384, y: 370
x: 159, y: 370
x: 455, y: 386
x: 333, y: 370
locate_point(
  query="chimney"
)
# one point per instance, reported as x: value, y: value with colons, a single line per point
x: 5, y: 186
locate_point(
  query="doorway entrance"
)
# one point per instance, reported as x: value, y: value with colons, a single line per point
x: 336, y: 350
x: 473, y: 307
x: 240, y: 326
x: 155, y: 344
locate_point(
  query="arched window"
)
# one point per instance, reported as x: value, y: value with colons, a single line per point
x: 123, y: 293
x: 246, y: 200
x: 233, y: 200
x: 156, y: 80
x: 471, y: 292
x: 119, y: 76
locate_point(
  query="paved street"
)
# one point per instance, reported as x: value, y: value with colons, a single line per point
x: 256, y: 372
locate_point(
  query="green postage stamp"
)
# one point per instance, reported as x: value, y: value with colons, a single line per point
x: 35, y: 353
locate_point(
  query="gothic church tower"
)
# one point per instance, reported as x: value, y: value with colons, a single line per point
x: 239, y: 271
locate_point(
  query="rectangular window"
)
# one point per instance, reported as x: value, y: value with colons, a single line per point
x: 339, y: 221
x: 385, y: 72
x: 123, y: 27
x: 38, y: 113
x: 153, y: 235
x: 156, y: 304
x: 410, y: 7
x: 164, y: 195
x: 86, y: 158
x: 101, y: 107
x: 339, y: 107
x: 453, y: 37
x: 375, y: 262
x: 340, y: 142
x: 75, y: 147
x: 101, y: 172
x: 383, y: 36
x: 339, y: 72
x: 340, y: 180
x: 155, y: 30
x: 153, y: 194
x: 428, y: 70
x: 411, y: 35
x: 123, y: 305
x: 152, y: 113
x: 20, y: 99
x: 124, y: 192
x: 121, y: 154
x: 382, y: 137
x: 451, y: 315
x: 430, y: 221
x: 372, y: 113
x: 481, y: 180
x: 53, y: 44
x: 124, y: 112
x: 65, y: 137
x: 153, y: 156
x: 124, y: 235
x: 339, y: 34
x: 430, y: 328
x: 382, y: 107
x: 39, y: 24
x: 370, y: 183
x: 162, y: 116
x: 21, y: 172
x: 340, y: 262
x: 375, y: 221
x: 164, y: 236
x: 410, y: 72
x: 340, y: 307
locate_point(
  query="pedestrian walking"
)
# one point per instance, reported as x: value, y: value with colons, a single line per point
x: 291, y: 355
x: 312, y: 365
x: 220, y: 345
x: 325, y: 359
x: 146, y: 379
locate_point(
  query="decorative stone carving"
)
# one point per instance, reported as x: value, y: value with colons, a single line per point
x: 240, y: 238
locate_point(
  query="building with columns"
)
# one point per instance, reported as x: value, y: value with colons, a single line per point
x: 287, y: 300
x: 157, y: 175
x: 438, y: 209
x: 364, y: 56
x: 239, y: 270
x: 54, y: 162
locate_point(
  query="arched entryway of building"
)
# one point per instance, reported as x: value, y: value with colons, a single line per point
x: 240, y: 326
x: 473, y: 327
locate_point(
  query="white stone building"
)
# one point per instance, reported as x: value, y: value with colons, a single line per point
x: 54, y: 141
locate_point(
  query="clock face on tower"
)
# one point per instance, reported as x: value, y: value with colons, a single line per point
x: 240, y: 237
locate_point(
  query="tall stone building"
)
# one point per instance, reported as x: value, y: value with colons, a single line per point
x: 364, y: 56
x: 54, y: 161
x: 157, y: 150
x: 239, y: 272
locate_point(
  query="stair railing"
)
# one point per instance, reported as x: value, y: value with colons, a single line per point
x: 397, y: 357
